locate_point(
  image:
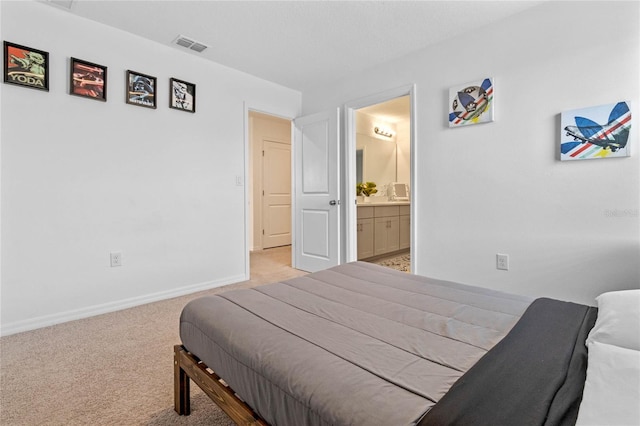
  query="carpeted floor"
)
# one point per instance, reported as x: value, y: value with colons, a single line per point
x: 117, y: 368
x: 112, y: 369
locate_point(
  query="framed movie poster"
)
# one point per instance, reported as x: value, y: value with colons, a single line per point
x: 25, y: 66
x: 182, y: 95
x: 88, y: 80
x: 141, y: 89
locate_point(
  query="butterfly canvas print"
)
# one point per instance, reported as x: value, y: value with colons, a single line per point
x: 471, y: 103
x: 595, y: 132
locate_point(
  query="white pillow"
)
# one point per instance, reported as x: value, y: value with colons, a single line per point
x: 612, y: 389
x: 618, y: 320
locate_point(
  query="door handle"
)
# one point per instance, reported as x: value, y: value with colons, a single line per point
x: 333, y: 202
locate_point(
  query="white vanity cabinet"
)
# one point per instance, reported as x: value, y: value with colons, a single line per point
x: 382, y: 229
x: 365, y: 232
x: 405, y: 227
x: 386, y: 231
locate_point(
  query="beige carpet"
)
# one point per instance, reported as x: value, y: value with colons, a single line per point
x: 117, y: 368
x: 113, y: 369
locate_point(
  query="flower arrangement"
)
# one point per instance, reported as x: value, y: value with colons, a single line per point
x: 366, y: 188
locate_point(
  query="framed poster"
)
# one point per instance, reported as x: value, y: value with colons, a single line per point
x: 471, y: 103
x: 182, y: 95
x: 141, y: 89
x: 25, y: 66
x: 88, y: 80
x: 595, y: 132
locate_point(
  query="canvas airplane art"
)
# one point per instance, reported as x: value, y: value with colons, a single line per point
x: 596, y: 132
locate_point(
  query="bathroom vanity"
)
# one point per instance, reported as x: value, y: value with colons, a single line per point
x: 383, y: 228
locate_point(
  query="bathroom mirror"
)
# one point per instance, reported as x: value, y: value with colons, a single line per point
x: 359, y: 165
x: 375, y: 160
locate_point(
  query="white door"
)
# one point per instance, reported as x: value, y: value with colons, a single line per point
x: 276, y: 194
x: 316, y: 180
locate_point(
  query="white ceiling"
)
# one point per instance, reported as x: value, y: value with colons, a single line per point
x: 392, y: 111
x: 299, y: 44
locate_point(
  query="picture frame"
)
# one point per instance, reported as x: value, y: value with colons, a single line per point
x: 141, y: 89
x: 25, y: 66
x: 88, y: 80
x: 471, y: 103
x: 182, y: 95
x: 596, y: 132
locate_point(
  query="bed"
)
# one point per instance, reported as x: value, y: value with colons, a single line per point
x: 361, y: 344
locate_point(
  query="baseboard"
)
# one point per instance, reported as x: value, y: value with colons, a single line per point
x: 90, y: 311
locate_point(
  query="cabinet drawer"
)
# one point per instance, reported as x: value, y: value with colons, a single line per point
x: 365, y: 212
x: 384, y: 211
x: 405, y: 210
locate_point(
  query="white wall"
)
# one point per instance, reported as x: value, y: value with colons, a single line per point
x: 499, y: 187
x: 403, y: 143
x: 82, y: 178
x: 379, y: 152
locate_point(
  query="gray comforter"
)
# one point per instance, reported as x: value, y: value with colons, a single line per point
x: 357, y: 344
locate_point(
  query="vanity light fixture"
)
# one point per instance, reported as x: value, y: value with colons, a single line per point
x: 383, y: 132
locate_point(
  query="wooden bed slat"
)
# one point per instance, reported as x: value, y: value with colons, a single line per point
x: 187, y: 366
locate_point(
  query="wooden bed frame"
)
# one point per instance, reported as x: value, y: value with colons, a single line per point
x: 187, y: 366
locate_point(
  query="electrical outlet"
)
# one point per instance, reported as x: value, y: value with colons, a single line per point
x: 502, y: 261
x: 116, y: 258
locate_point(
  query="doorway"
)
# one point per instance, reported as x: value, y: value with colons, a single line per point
x: 270, y: 182
x: 383, y: 134
x: 380, y: 145
x: 314, y: 228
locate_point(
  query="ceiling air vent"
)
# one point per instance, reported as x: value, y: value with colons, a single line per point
x: 62, y: 3
x: 190, y: 44
x: 198, y: 47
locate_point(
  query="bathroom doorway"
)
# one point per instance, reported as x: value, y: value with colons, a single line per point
x: 380, y: 138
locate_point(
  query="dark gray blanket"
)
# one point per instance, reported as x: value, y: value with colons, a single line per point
x: 534, y: 376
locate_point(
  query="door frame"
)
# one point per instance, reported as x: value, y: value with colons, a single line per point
x: 350, y: 211
x: 275, y: 112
